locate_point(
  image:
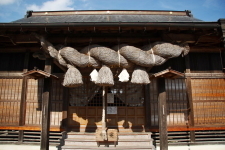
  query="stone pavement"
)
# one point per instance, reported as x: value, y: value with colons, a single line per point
x: 192, y: 147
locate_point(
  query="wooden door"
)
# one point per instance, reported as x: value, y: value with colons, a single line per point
x: 85, y: 110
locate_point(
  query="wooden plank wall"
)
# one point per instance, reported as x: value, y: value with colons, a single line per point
x: 33, y: 102
x: 34, y: 97
x: 177, y: 103
x: 208, y: 101
x: 56, y: 103
x: 10, y: 97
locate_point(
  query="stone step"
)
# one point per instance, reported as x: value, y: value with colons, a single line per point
x: 134, y: 136
x: 122, y: 142
x: 80, y: 142
x: 120, y: 135
x: 71, y: 147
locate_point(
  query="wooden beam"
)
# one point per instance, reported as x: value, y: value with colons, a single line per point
x: 162, y: 112
x: 147, y: 107
x: 186, y: 128
x: 205, y: 75
x: 46, y: 107
x: 30, y: 128
x: 152, y: 129
x: 206, y: 49
x: 177, y: 37
x: 23, y: 98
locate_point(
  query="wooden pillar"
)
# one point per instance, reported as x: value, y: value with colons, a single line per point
x: 23, y: 98
x: 65, y: 108
x: 189, y: 96
x: 162, y: 112
x: 191, y: 112
x: 45, y: 126
x: 147, y: 107
x: 104, y: 113
x: 222, y: 24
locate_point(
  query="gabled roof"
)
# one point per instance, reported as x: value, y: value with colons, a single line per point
x: 168, y: 73
x: 36, y: 74
x: 107, y: 16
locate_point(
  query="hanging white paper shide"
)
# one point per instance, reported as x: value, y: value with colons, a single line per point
x: 94, y: 75
x: 124, y: 76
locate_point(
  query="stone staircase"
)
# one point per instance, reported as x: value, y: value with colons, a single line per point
x: 126, y: 140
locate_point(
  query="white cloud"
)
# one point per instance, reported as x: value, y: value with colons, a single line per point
x: 211, y: 3
x: 52, y: 5
x: 7, y: 2
x: 165, y: 5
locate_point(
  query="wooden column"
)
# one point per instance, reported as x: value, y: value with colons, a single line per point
x: 23, y: 98
x: 162, y: 112
x: 65, y: 108
x: 104, y: 113
x: 147, y: 107
x: 46, y: 108
x: 222, y: 23
x: 189, y: 95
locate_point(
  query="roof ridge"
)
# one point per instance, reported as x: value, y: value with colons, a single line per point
x: 108, y: 12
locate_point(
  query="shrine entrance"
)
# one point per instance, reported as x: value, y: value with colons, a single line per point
x: 124, y: 107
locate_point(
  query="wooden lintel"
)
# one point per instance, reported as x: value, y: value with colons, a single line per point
x: 205, y: 75
x: 173, y: 37
x: 9, y: 74
x: 19, y: 49
x: 206, y: 49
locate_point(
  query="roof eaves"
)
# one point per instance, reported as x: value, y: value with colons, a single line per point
x: 162, y: 24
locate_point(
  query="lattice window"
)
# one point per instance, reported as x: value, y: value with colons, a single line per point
x: 122, y: 94
x: 177, y: 103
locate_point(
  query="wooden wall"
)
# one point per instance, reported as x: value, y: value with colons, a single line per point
x: 10, y: 97
x: 34, y: 97
x: 208, y: 101
x: 207, y: 94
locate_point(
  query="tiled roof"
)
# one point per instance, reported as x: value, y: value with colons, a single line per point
x: 105, y: 17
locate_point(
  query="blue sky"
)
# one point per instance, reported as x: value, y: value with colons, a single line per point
x: 206, y: 10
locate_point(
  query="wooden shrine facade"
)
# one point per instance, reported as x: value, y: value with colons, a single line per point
x: 194, y: 102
